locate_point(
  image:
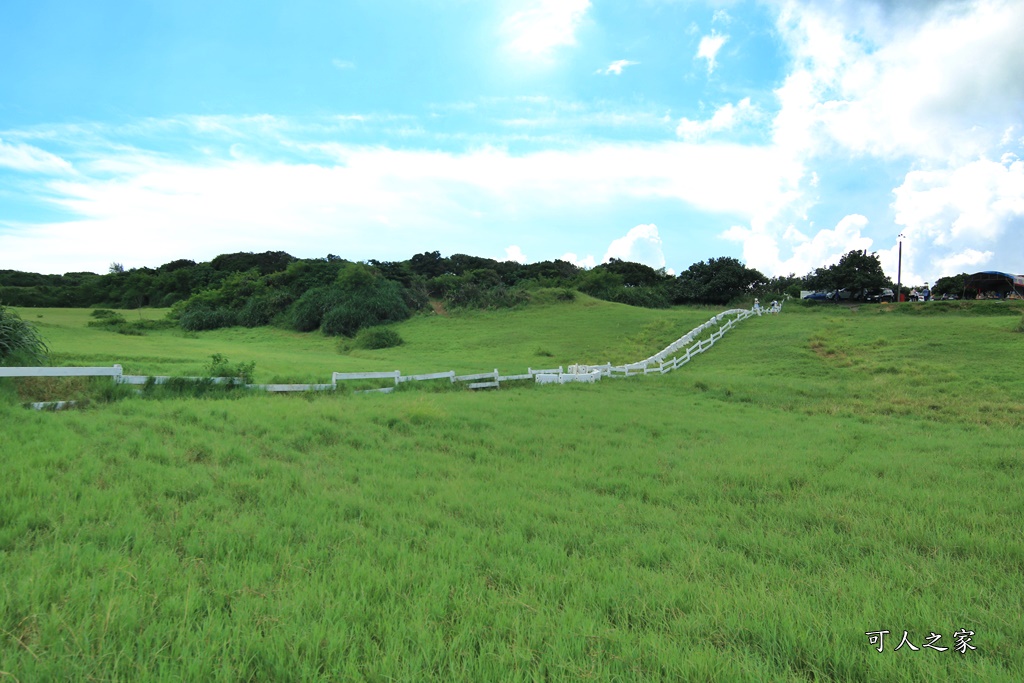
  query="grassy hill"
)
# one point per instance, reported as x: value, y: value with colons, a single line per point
x: 585, y: 330
x: 818, y: 475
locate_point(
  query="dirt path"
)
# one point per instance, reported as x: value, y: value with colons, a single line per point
x: 438, y: 308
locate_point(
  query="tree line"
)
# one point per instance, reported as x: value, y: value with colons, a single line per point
x: 339, y: 296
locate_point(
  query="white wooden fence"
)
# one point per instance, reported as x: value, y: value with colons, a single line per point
x: 669, y: 358
x: 114, y: 371
x: 674, y: 356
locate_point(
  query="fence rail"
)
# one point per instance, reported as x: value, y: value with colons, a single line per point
x: 114, y: 371
x: 672, y: 357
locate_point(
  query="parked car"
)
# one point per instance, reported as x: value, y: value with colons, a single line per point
x: 818, y: 296
x: 879, y: 295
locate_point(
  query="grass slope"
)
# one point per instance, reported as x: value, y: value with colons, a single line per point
x: 817, y: 475
x: 586, y: 330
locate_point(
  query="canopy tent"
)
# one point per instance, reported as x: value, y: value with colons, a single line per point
x: 993, y: 281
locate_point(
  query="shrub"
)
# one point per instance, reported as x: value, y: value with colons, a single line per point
x: 644, y: 296
x: 105, y: 313
x: 260, y: 310
x: 107, y: 319
x: 308, y: 312
x: 368, y: 305
x: 377, y: 338
x: 20, y: 343
x: 552, y: 295
x: 220, y: 366
x: 471, y: 294
x: 197, y: 319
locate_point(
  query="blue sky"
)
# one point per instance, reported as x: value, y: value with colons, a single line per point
x: 781, y: 132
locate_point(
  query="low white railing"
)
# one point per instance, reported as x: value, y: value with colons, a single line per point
x: 114, y: 371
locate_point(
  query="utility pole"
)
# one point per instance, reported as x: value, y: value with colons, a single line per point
x: 899, y: 268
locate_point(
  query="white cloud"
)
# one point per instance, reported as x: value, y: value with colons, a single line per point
x: 26, y: 158
x: 616, y: 67
x: 932, y: 88
x: 342, y: 64
x: 709, y: 47
x: 642, y: 244
x: 544, y: 26
x: 955, y: 216
x: 969, y: 260
x: 935, y: 85
x: 585, y: 262
x: 725, y: 118
x: 969, y: 217
x: 303, y: 194
x: 514, y: 253
x: 762, y: 249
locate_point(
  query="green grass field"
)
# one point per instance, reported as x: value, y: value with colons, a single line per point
x: 817, y: 475
x: 587, y: 330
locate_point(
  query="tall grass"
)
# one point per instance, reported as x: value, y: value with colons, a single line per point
x: 750, y: 517
x: 20, y: 341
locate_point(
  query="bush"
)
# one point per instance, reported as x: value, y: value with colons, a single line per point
x: 260, y: 310
x: 198, y: 319
x: 646, y: 297
x: 220, y: 366
x: 104, y: 313
x: 308, y: 312
x: 368, y: 305
x: 471, y: 294
x: 115, y: 322
x: 552, y: 295
x: 20, y: 343
x: 377, y: 338
x: 106, y: 319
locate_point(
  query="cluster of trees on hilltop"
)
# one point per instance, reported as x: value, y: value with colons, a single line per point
x: 340, y: 296
x: 154, y: 287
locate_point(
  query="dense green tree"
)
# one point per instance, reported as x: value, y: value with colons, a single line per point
x: 716, y: 281
x: 950, y: 285
x: 265, y: 263
x: 460, y: 264
x: 399, y: 271
x: 599, y: 282
x: 635, y: 274
x: 555, y: 273
x: 781, y: 286
x: 856, y: 272
x: 302, y: 275
x: 859, y: 270
x: 177, y: 265
x: 821, y: 279
x: 429, y: 264
x: 364, y: 299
